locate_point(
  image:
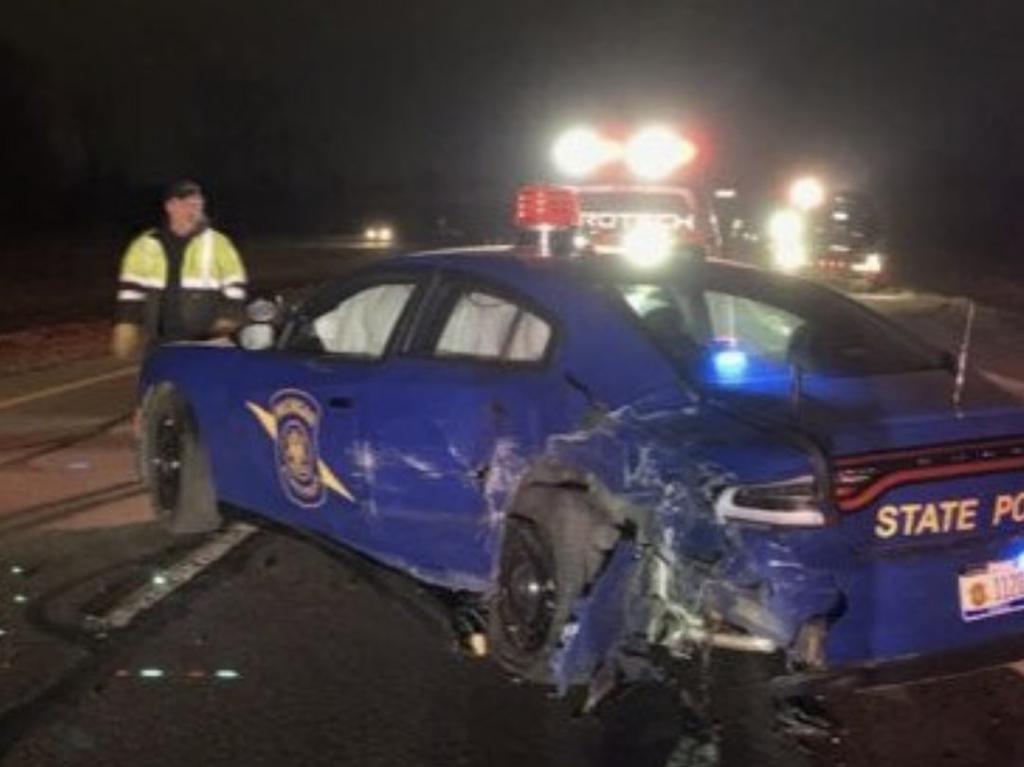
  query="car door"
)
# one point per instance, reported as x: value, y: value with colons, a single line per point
x: 298, y: 418
x: 452, y: 422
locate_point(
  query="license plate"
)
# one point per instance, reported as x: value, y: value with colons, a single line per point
x: 995, y: 588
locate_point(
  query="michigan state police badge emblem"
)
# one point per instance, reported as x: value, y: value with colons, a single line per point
x: 297, y: 446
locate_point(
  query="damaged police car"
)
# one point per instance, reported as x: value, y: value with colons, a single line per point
x: 605, y: 458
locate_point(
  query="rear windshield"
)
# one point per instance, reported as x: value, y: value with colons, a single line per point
x: 776, y: 321
x: 636, y: 202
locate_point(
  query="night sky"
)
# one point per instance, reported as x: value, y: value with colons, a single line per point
x: 310, y: 113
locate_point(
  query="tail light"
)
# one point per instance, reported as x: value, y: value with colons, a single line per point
x: 790, y: 503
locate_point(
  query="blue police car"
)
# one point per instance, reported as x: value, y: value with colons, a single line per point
x: 604, y: 456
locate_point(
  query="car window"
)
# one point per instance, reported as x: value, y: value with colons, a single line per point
x: 758, y: 327
x: 488, y: 327
x: 361, y: 323
x: 775, y: 321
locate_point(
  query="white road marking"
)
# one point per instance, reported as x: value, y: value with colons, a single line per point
x: 173, y: 578
x: 81, y: 383
x: 1011, y: 385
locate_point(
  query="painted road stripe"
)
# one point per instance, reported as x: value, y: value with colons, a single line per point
x: 1011, y: 385
x: 81, y: 383
x: 173, y: 578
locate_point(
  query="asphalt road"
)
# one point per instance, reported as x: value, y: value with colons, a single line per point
x: 283, y: 652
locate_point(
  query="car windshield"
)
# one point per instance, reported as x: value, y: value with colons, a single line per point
x: 772, y: 323
x: 636, y: 202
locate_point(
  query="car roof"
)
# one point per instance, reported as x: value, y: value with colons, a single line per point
x: 512, y: 264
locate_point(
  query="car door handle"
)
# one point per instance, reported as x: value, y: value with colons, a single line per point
x: 340, y: 403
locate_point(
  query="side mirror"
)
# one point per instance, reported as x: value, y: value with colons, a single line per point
x: 257, y: 336
x: 263, y: 310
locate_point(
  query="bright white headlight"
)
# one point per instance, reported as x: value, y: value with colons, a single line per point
x: 786, y: 231
x: 806, y: 193
x: 647, y: 244
x: 656, y: 152
x: 580, y: 151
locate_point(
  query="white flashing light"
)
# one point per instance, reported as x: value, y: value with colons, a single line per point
x: 807, y: 193
x: 786, y: 230
x: 654, y: 153
x: 647, y: 245
x: 580, y: 151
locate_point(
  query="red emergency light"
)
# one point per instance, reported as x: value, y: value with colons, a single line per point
x: 545, y: 207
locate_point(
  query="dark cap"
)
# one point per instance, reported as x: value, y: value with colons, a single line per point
x: 181, y: 189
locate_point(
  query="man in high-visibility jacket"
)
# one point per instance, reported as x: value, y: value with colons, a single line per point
x: 182, y: 281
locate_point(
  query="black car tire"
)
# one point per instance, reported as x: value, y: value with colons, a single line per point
x: 176, y: 466
x: 554, y: 546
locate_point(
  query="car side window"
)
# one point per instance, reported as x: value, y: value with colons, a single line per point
x: 485, y: 326
x: 761, y: 328
x: 360, y: 324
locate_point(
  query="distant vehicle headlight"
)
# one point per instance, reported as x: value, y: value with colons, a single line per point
x: 786, y: 232
x: 385, y: 234
x: 371, y: 233
x: 872, y: 264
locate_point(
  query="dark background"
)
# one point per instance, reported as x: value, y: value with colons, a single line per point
x: 310, y: 115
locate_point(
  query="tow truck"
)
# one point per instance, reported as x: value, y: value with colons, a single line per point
x: 634, y: 186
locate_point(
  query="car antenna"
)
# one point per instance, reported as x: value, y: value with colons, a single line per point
x: 961, y: 360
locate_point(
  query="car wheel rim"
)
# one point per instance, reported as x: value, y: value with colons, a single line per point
x: 167, y: 462
x: 528, y: 606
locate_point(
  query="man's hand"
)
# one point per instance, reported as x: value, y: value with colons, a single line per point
x: 126, y: 341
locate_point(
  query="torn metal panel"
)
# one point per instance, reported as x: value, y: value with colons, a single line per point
x: 695, y: 579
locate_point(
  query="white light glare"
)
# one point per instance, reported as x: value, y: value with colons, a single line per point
x: 580, y: 151
x: 647, y: 245
x: 370, y: 234
x: 786, y: 230
x: 872, y: 264
x: 725, y: 194
x: 656, y: 152
x: 806, y: 193
x: 385, y: 234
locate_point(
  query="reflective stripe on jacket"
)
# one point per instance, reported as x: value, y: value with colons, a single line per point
x: 213, y: 281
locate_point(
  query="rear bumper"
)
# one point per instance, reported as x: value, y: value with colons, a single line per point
x: 904, y: 670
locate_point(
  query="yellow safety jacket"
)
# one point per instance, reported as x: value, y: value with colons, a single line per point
x: 211, y: 285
